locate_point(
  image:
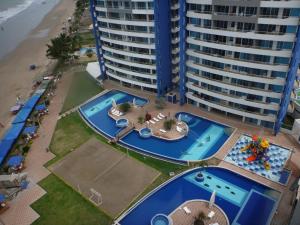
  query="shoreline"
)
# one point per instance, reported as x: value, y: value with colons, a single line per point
x: 15, y: 77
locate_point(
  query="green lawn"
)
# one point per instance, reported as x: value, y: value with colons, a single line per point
x: 82, y: 88
x: 64, y: 206
x: 87, y: 38
x: 72, y: 131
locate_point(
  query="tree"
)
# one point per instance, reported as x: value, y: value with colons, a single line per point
x: 125, y: 107
x: 89, y: 53
x: 59, y: 48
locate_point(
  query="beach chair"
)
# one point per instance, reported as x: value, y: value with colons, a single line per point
x: 157, y: 120
x: 179, y: 129
x: 187, y: 210
x: 161, y: 115
x: 151, y: 121
x: 211, y: 214
x: 163, y: 131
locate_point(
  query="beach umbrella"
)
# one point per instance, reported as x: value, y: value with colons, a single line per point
x: 212, y: 199
x: 113, y: 102
x: 15, y: 161
x: 179, y: 118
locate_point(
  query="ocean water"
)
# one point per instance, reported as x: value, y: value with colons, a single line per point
x: 18, y: 18
x: 10, y: 8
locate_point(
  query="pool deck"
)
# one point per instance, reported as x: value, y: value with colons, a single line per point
x: 135, y: 112
x: 180, y: 217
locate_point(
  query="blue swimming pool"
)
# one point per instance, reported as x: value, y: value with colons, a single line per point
x: 204, y: 139
x: 240, y: 198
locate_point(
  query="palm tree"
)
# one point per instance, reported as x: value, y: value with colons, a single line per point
x: 59, y: 48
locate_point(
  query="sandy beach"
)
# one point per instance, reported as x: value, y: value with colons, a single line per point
x: 15, y: 77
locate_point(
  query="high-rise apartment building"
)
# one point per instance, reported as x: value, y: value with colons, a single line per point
x: 236, y: 57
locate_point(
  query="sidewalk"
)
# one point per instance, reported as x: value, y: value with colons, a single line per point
x: 20, y: 212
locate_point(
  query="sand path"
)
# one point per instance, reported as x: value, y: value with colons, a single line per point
x: 15, y: 77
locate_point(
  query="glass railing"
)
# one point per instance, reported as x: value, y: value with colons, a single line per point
x: 237, y: 59
x: 239, y: 30
x: 226, y: 69
x: 127, y: 19
x: 230, y: 83
x: 238, y: 45
x: 231, y: 95
x: 229, y: 106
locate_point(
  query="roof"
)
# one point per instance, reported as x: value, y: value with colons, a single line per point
x: 94, y: 69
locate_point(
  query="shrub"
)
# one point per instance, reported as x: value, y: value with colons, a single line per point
x: 89, y: 53
x: 148, y: 117
x: 25, y: 149
x: 168, y: 124
x: 199, y: 219
x: 125, y: 107
x: 198, y: 222
x: 141, y: 120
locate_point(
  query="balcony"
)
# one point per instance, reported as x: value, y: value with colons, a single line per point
x: 227, y: 108
x: 237, y: 61
x: 234, y: 86
x: 233, y: 98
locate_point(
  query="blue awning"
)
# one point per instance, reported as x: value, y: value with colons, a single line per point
x: 15, y: 161
x: 2, y: 198
x: 31, y: 102
x: 14, y: 131
x: 41, y: 107
x: 24, y: 113
x: 30, y: 130
x: 5, y: 146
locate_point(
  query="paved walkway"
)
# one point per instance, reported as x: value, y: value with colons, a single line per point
x: 20, y: 212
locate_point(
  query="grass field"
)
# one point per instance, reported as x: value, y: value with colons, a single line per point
x: 82, y: 88
x: 75, y: 129
x: 87, y: 38
x: 64, y: 206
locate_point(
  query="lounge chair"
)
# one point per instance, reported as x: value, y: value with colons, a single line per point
x: 151, y: 121
x: 179, y: 129
x: 187, y: 210
x: 148, y: 122
x: 157, y: 120
x: 163, y: 131
x: 211, y: 214
x: 113, y: 110
x: 179, y: 123
x: 161, y: 115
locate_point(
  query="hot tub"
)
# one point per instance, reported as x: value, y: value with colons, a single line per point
x: 122, y: 123
x: 161, y: 219
x: 145, y: 132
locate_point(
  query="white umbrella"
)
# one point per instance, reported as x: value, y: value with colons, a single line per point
x: 179, y: 118
x: 113, y: 102
x: 212, y: 199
